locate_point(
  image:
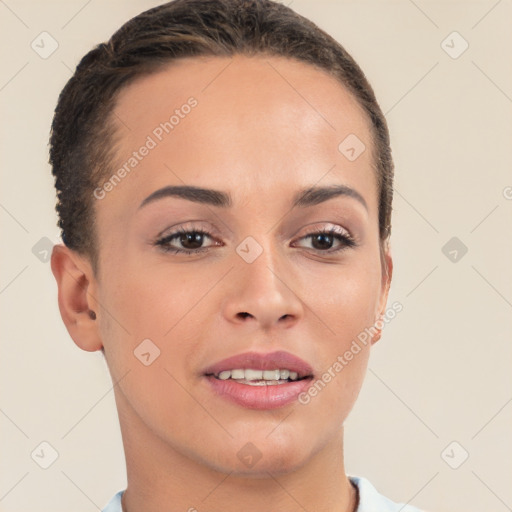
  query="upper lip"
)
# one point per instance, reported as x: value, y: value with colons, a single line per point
x: 259, y: 361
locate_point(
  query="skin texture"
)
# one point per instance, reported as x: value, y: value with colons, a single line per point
x: 263, y: 128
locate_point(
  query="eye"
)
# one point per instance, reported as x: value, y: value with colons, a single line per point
x: 324, y: 240
x: 185, y: 241
x: 191, y: 241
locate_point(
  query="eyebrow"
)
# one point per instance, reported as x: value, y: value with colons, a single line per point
x: 316, y: 195
x: 191, y: 193
x: 306, y: 197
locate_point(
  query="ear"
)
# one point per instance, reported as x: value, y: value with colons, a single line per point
x: 387, y: 273
x: 77, y: 290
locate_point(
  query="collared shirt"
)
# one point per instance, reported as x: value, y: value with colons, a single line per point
x: 370, y: 500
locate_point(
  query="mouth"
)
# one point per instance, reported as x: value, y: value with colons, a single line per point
x: 254, y: 377
x: 260, y: 381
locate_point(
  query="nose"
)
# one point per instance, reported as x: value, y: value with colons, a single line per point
x: 263, y: 292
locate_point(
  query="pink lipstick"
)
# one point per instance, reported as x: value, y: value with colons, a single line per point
x: 260, y: 381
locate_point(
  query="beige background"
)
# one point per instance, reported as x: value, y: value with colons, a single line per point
x: 441, y: 372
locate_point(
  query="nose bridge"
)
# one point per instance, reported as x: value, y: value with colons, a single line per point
x: 261, y: 275
x: 261, y: 290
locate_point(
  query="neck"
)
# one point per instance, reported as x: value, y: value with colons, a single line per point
x: 160, y: 477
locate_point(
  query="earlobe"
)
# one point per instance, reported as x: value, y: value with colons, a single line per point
x: 376, y: 336
x: 77, y: 304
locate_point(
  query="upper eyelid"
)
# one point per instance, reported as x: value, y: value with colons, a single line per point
x: 329, y: 227
x: 188, y: 226
x: 215, y: 232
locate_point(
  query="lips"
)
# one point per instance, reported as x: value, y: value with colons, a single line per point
x: 259, y: 394
x: 259, y: 361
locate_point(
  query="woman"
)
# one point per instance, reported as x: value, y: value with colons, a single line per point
x: 224, y: 183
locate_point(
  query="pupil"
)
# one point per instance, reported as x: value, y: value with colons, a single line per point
x: 194, y: 238
x: 324, y: 239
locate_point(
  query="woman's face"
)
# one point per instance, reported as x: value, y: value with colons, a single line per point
x: 260, y: 132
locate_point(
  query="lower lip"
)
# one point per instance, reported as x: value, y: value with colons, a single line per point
x: 259, y: 397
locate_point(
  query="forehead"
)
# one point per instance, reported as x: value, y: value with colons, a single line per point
x: 256, y: 122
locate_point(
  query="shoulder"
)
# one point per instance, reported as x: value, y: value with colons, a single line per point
x: 370, y: 500
x: 114, y: 505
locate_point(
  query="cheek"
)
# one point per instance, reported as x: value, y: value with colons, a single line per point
x: 151, y: 311
x: 346, y: 299
x: 150, y: 302
x: 345, y: 304
x: 150, y: 344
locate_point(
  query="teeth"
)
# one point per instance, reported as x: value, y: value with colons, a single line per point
x: 264, y: 376
x: 237, y: 374
x: 271, y: 374
x: 251, y: 374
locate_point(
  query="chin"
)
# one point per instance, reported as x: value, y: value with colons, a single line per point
x: 255, y: 460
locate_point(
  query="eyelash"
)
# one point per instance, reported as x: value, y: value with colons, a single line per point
x: 342, y: 236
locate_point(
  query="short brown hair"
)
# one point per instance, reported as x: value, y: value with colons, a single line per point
x: 83, y: 132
